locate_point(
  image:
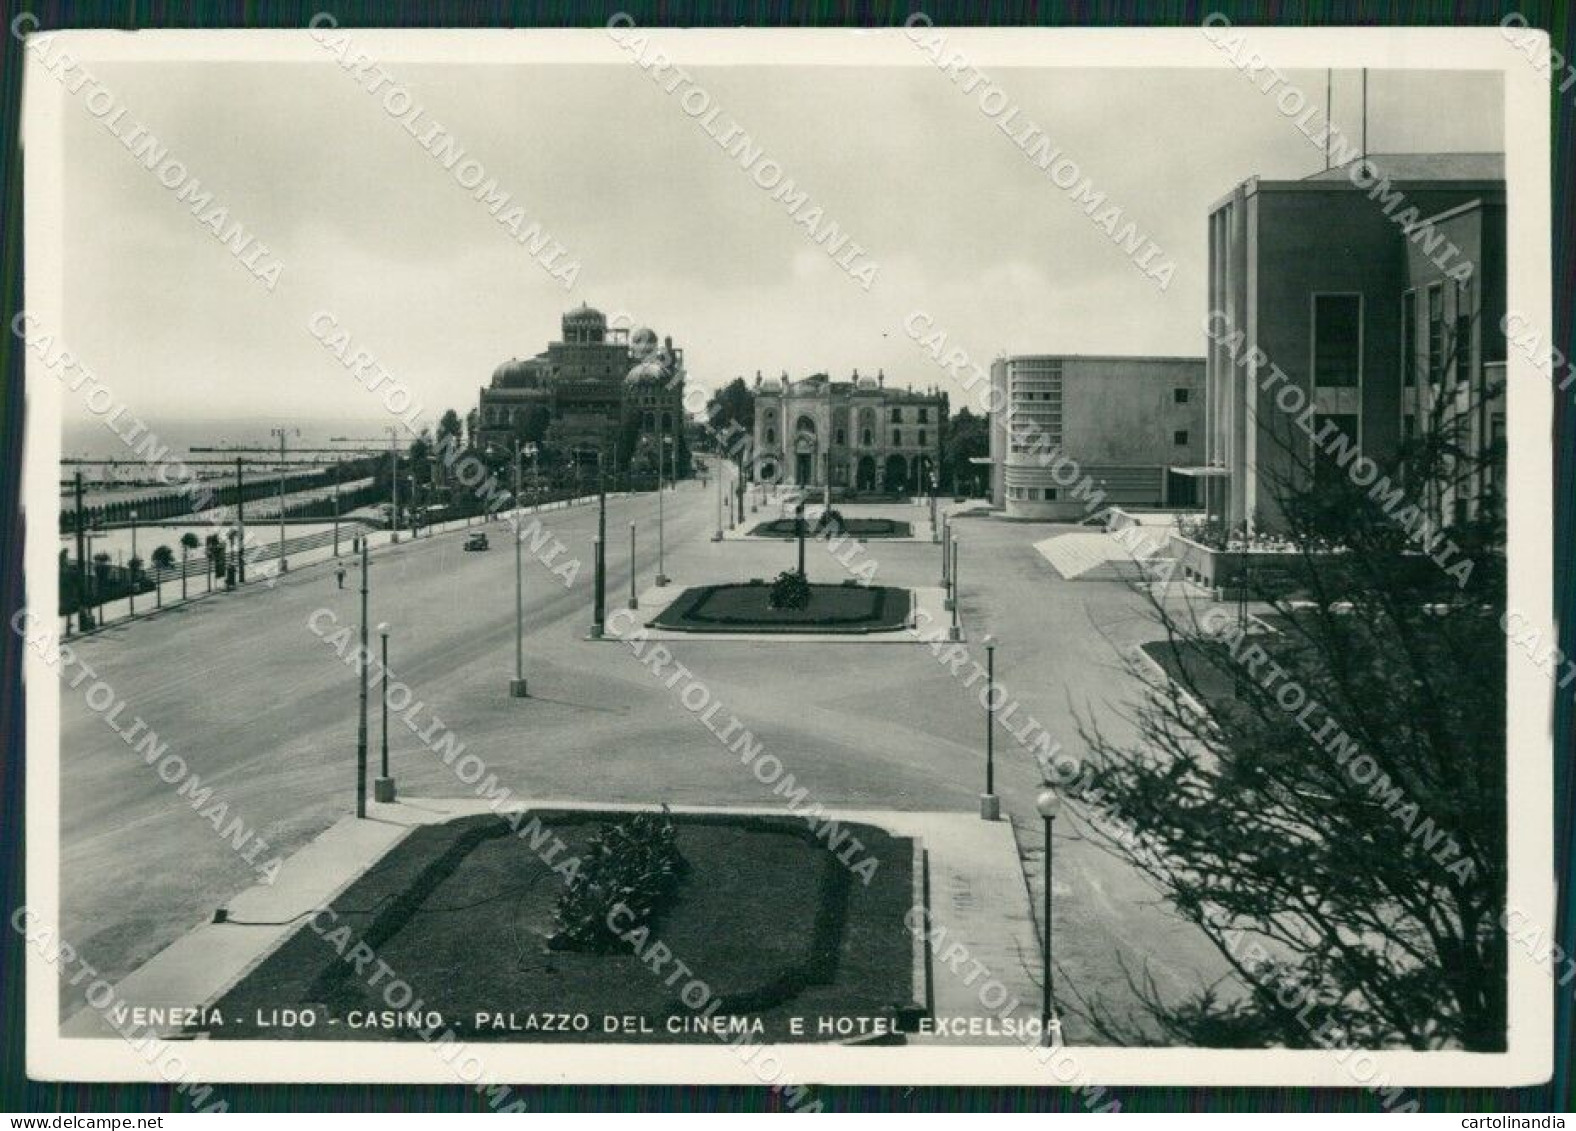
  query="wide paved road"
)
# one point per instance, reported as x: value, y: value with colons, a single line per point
x: 262, y: 710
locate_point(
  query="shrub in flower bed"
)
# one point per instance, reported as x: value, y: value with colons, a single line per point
x: 790, y: 590
x: 634, y: 862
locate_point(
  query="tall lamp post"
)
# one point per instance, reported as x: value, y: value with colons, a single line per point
x: 82, y: 558
x: 133, y: 563
x: 662, y: 442
x: 717, y: 537
x: 393, y: 482
x: 361, y: 719
x: 284, y: 566
x: 935, y: 484
x: 383, y: 787
x: 89, y: 582
x: 599, y: 606
x: 956, y: 632
x: 240, y: 524
x: 337, y: 467
x: 517, y: 684
x: 798, y: 531
x: 990, y: 804
x: 634, y: 599
x: 1049, y: 803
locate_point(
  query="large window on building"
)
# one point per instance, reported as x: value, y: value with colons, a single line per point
x: 1461, y: 348
x: 1409, y: 339
x: 1337, y: 340
x: 1436, y: 334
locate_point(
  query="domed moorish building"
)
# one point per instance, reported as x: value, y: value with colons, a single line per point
x: 588, y: 384
x: 864, y: 437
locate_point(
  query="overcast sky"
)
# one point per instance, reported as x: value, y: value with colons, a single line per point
x: 369, y: 227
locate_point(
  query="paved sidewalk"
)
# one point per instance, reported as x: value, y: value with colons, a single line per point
x: 118, y: 612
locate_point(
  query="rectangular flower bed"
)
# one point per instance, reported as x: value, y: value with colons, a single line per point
x: 747, y: 608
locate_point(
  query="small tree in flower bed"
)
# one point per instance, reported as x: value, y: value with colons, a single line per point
x: 789, y: 591
x: 830, y: 522
x: 634, y: 862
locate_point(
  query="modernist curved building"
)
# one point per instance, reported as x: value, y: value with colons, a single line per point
x: 1124, y: 422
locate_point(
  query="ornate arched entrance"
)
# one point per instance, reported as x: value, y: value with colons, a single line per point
x: 804, y: 450
x: 896, y: 475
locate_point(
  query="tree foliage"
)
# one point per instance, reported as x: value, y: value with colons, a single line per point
x: 1320, y: 788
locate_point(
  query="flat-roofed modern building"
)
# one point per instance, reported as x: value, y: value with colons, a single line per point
x: 1378, y: 289
x: 1124, y: 422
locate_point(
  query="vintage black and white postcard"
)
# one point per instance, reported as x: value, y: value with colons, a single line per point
x: 911, y: 556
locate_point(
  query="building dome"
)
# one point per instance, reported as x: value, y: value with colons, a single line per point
x: 585, y: 325
x: 514, y: 374
x: 583, y: 314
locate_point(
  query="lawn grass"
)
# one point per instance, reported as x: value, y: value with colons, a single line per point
x: 852, y: 527
x: 747, y: 608
x: 766, y: 917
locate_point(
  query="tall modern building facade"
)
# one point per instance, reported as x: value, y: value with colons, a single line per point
x: 596, y: 388
x: 1124, y: 422
x: 859, y: 435
x: 1379, y: 290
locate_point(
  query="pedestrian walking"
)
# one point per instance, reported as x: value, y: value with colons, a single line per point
x: 339, y: 574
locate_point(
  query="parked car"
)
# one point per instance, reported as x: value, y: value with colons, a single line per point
x: 477, y: 541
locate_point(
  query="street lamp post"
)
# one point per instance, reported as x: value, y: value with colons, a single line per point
x: 598, y: 605
x: 361, y: 719
x: 240, y: 523
x: 394, y: 483
x: 990, y: 804
x: 935, y: 534
x: 956, y: 632
x: 336, y: 508
x: 662, y: 440
x: 798, y: 531
x: 717, y: 537
x: 82, y: 561
x: 946, y: 553
x: 1049, y: 803
x: 284, y: 566
x: 91, y: 588
x: 133, y: 563
x: 383, y: 787
x: 517, y: 684
x: 634, y: 600
x: 952, y: 576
